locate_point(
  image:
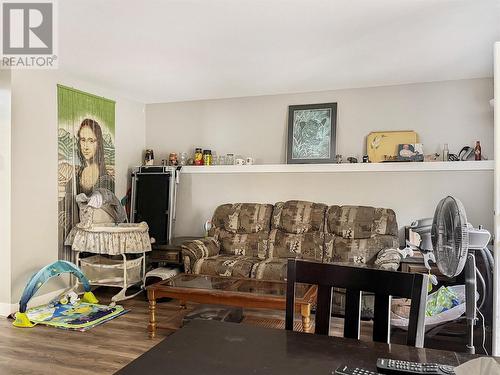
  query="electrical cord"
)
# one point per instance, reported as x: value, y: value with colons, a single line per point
x: 488, y: 254
x: 490, y: 270
x: 487, y: 287
x: 483, y: 287
x: 484, y: 331
x: 488, y: 265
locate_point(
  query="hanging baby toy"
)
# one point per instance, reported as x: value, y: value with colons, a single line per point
x: 38, y: 279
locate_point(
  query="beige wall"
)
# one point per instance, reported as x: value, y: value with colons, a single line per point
x: 5, y: 181
x: 412, y: 195
x: 34, y: 158
x: 453, y: 112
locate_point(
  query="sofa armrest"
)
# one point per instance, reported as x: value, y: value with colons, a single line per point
x: 388, y: 259
x: 197, y: 249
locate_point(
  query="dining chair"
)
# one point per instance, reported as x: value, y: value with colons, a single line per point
x: 355, y: 280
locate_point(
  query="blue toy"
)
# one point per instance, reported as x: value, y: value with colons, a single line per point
x: 39, y: 278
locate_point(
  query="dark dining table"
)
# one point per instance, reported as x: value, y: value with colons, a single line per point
x: 211, y: 347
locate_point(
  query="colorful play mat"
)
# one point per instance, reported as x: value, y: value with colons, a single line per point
x: 80, y: 316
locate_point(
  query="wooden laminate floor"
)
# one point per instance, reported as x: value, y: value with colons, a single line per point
x: 112, y: 345
x: 103, y: 349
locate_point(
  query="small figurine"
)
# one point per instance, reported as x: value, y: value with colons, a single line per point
x: 477, y: 151
x: 365, y: 159
x: 338, y: 159
x: 172, y: 159
x: 352, y: 160
x: 149, y: 157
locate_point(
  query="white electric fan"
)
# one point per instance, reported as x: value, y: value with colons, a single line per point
x: 450, y: 241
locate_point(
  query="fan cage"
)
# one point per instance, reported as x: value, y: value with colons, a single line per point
x: 450, y: 236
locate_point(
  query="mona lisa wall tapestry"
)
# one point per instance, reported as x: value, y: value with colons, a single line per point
x: 86, y: 138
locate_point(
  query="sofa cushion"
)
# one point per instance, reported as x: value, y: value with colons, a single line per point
x: 297, y: 230
x: 270, y: 269
x: 196, y: 249
x: 299, y: 216
x: 242, y: 228
x: 225, y: 265
x: 290, y: 245
x: 356, y: 222
x: 221, y: 214
x: 251, y: 244
x: 201, y: 248
x: 359, y: 251
x: 243, y: 218
x: 388, y: 259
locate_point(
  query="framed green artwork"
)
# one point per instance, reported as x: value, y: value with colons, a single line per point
x: 311, y: 133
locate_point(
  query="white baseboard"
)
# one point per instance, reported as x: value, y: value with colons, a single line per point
x: 8, y: 308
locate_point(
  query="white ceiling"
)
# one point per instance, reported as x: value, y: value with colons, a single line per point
x: 161, y: 51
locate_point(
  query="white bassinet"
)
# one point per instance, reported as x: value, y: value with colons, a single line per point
x: 119, y: 248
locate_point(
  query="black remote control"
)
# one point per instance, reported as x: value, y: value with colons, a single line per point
x: 346, y: 370
x: 396, y: 367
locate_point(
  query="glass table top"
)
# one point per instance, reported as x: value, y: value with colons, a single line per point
x: 233, y: 284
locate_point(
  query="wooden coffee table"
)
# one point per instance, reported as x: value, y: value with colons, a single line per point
x: 231, y: 291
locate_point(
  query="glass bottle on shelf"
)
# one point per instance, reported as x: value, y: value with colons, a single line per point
x: 477, y: 151
x: 446, y: 152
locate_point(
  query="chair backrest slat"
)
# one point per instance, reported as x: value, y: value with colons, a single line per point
x: 356, y: 280
x: 381, y: 318
x: 416, y: 326
x: 352, y: 313
x: 290, y: 295
x: 323, y: 315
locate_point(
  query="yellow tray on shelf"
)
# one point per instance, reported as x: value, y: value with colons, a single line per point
x: 382, y: 144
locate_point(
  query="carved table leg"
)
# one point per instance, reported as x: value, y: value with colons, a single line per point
x: 305, y: 311
x: 152, y: 318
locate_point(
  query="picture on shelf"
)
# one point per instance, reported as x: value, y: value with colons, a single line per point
x: 410, y: 152
x: 311, y: 133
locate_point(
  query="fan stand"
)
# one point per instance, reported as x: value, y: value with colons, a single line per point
x: 470, y: 300
x: 453, y: 238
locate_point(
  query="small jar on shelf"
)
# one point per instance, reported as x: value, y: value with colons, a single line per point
x: 207, y: 157
x: 198, y: 157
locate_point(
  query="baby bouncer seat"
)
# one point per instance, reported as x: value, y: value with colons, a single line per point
x: 118, y: 249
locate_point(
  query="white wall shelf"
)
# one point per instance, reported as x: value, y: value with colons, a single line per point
x: 485, y: 165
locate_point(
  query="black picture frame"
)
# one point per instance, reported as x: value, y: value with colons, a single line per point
x: 295, y: 152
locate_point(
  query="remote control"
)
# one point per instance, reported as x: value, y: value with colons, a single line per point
x: 396, y: 367
x: 346, y: 370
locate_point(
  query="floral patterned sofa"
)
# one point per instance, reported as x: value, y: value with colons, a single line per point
x: 255, y: 240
